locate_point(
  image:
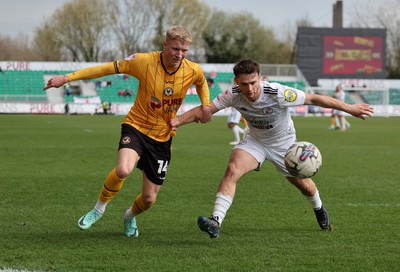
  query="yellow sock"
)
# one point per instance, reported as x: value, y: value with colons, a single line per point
x: 111, y: 187
x: 332, y: 121
x: 243, y: 121
x: 140, y: 206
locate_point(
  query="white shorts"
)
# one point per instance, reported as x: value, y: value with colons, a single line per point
x: 274, y: 154
x: 234, y: 116
x: 338, y: 112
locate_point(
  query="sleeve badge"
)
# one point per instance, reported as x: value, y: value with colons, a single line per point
x: 290, y: 95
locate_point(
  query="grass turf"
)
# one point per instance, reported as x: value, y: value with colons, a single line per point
x: 52, y: 168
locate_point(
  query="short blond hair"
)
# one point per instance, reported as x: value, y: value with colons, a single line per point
x: 178, y: 33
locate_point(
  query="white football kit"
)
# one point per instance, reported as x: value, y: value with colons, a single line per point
x: 234, y: 116
x: 341, y: 96
x: 272, y: 130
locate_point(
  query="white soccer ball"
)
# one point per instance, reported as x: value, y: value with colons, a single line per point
x: 303, y: 160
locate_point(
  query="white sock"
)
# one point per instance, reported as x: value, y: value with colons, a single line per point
x: 236, y: 131
x: 100, y: 206
x: 343, y: 122
x: 315, y: 201
x: 221, y: 206
x: 337, y: 122
x: 128, y: 214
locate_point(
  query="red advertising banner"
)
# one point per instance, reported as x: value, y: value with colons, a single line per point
x: 352, y: 55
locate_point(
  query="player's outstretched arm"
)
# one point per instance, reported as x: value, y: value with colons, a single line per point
x: 56, y: 81
x: 189, y: 116
x: 86, y: 73
x: 358, y: 110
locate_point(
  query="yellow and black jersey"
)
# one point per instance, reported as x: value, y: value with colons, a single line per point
x: 160, y: 93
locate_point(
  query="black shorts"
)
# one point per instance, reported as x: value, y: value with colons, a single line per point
x: 154, y: 156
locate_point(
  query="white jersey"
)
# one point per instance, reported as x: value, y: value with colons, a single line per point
x: 341, y: 96
x: 268, y: 118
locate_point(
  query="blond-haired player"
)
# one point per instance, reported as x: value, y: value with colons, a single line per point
x: 164, y: 78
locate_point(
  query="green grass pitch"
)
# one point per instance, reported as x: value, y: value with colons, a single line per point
x: 52, y: 168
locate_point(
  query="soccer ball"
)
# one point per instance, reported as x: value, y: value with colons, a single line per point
x: 303, y: 160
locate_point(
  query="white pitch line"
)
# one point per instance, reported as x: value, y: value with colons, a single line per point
x: 374, y: 204
x: 16, y: 270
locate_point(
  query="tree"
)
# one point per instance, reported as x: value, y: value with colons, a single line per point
x: 104, y: 30
x: 229, y: 38
x: 375, y: 14
x: 133, y: 26
x: 45, y: 44
x: 16, y: 49
x: 289, y: 35
x: 80, y: 27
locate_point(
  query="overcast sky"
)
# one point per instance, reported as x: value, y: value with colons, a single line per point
x: 22, y: 16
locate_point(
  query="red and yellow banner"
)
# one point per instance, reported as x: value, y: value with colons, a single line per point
x: 352, y: 55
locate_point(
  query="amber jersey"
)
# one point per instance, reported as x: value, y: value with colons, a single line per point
x: 160, y: 93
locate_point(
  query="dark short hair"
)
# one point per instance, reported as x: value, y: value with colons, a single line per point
x: 246, y: 66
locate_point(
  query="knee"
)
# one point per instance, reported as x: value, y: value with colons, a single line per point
x: 149, y: 199
x: 232, y: 171
x: 123, y: 171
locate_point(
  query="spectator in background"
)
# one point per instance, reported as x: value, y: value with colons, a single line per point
x: 213, y: 74
x: 211, y: 79
x: 68, y: 90
x: 66, y: 108
x: 103, y: 84
x: 98, y: 84
x: 128, y: 92
x: 105, y: 106
x: 210, y: 82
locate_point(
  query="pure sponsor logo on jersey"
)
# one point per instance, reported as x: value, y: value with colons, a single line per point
x: 171, y: 105
x: 168, y: 105
x: 267, y: 110
x: 168, y: 91
x: 126, y: 140
x: 290, y: 95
